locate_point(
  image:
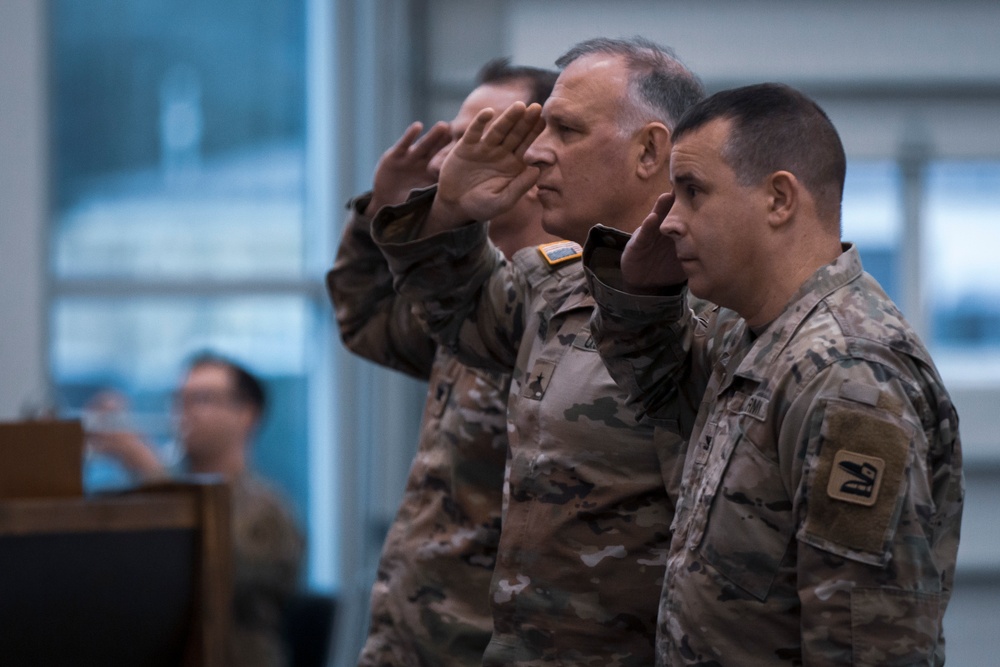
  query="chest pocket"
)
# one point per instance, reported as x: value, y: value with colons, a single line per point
x: 537, y: 382
x: 750, y: 523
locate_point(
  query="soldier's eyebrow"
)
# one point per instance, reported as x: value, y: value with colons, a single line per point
x: 555, y: 112
x: 685, y: 177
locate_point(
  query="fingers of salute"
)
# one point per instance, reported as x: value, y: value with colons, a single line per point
x: 511, y: 132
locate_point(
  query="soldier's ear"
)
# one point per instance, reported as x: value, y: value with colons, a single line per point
x: 653, y: 150
x: 784, y: 193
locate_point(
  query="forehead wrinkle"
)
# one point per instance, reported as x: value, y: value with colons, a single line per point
x: 589, y: 87
x: 702, y: 149
x: 681, y: 167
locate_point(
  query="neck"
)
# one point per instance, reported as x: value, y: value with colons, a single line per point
x: 632, y: 218
x: 521, y: 227
x: 786, y: 278
x: 525, y: 237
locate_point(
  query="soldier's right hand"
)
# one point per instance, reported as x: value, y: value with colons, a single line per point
x: 649, y: 262
x: 485, y: 174
x: 404, y: 166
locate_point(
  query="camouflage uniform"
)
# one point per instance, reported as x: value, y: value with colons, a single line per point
x: 267, y: 555
x: 823, y: 490
x: 429, y: 602
x: 586, y: 528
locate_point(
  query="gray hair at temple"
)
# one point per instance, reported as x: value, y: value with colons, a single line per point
x: 661, y: 88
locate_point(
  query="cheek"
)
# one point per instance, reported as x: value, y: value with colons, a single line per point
x: 616, y: 176
x: 735, y: 245
x: 597, y: 177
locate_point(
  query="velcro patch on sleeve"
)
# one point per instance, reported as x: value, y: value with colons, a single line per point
x: 558, y: 252
x: 855, y: 478
x: 860, y: 474
x: 862, y: 393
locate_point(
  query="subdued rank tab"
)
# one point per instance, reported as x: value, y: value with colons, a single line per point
x: 536, y: 384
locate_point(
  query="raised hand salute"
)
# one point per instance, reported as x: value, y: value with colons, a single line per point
x: 404, y: 166
x: 649, y: 261
x: 485, y: 175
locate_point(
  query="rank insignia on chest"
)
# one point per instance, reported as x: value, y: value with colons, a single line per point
x: 558, y: 252
x: 534, y: 385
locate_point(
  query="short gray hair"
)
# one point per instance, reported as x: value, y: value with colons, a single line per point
x: 660, y: 86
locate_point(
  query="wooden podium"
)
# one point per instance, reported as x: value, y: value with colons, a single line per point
x: 136, y: 578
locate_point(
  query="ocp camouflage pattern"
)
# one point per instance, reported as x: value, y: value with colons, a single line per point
x: 822, y: 496
x: 586, y: 528
x: 429, y: 603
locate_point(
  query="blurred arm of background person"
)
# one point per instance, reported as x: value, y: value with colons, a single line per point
x: 108, y: 435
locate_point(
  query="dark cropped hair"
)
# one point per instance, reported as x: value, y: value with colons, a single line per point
x: 777, y: 128
x: 500, y: 71
x: 246, y: 387
x: 661, y: 87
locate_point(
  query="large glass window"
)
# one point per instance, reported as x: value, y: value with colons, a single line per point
x: 959, y: 219
x: 963, y: 223
x: 872, y: 220
x: 179, y: 216
x: 179, y: 138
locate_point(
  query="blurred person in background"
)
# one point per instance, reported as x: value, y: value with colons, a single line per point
x: 219, y: 406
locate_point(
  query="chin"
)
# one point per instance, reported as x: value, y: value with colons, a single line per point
x: 699, y: 289
x: 549, y: 225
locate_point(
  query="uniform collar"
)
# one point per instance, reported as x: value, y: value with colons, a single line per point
x: 775, y: 338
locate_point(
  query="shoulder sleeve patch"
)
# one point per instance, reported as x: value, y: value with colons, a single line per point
x: 855, y: 478
x: 558, y: 252
x: 855, y: 498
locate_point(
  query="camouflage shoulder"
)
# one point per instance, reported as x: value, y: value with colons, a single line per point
x: 548, y: 260
x: 865, y: 312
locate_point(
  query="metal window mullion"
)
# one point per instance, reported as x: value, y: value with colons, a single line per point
x: 913, y: 160
x: 130, y: 288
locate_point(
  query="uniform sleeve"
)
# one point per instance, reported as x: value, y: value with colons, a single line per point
x: 374, y: 321
x: 466, y: 294
x: 876, y: 466
x: 648, y: 343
